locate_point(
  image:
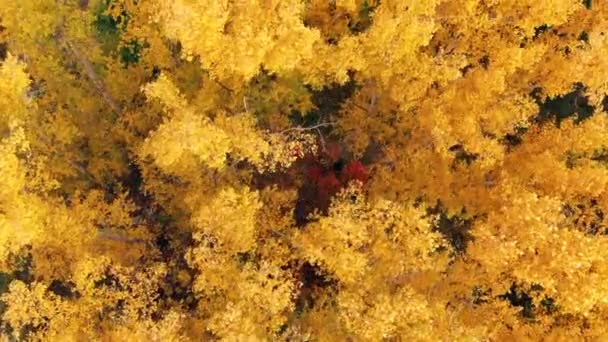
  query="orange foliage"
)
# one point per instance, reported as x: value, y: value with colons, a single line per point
x: 348, y: 170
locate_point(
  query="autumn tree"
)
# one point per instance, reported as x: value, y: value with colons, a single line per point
x: 353, y: 170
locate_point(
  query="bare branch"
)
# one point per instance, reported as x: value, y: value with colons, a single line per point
x: 309, y: 128
x: 321, y: 140
x: 223, y: 86
x: 88, y: 69
x: 107, y: 235
x: 360, y: 107
x: 245, y: 99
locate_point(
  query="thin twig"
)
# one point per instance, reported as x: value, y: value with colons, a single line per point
x: 228, y: 110
x: 360, y: 107
x: 321, y: 140
x: 309, y: 128
x: 372, y: 102
x: 245, y: 104
x: 223, y: 86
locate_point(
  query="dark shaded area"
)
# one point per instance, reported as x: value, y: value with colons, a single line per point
x: 540, y: 30
x: 519, y: 298
x: 330, y: 99
x: 115, y: 309
x: 373, y: 153
x: 586, y: 216
x: 600, y: 155
x: 130, y: 53
x: 455, y: 229
x: 177, y: 289
x: 353, y: 23
x: 312, y: 280
x: 147, y: 210
x: 327, y: 101
x: 106, y: 24
x: 484, y: 62
x: 177, y: 284
x: 364, y: 21
x: 461, y: 156
x: 249, y: 257
x: 29, y: 330
x: 523, y: 298
x: 3, y: 51
x: 156, y: 71
x: 108, y: 280
x: 464, y: 70
x: 133, y: 183
x: 171, y: 242
x: 111, y: 28
x: 605, y: 104
x: 572, y: 159
x: 307, y: 202
x: 512, y: 140
x: 282, y: 179
x: 5, y: 280
x: 22, y: 267
x: 338, y: 165
x: 64, y: 289
x: 548, y: 305
x: 587, y: 3
x: 163, y: 244
x: 571, y: 105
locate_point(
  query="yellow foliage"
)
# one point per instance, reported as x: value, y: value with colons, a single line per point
x: 189, y: 134
x: 261, y: 170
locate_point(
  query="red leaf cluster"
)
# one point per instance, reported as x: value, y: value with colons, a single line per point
x: 329, y: 180
x: 355, y: 170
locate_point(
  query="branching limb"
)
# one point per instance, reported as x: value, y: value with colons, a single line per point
x: 360, y: 107
x: 89, y: 70
x: 309, y: 128
x: 223, y: 86
x: 107, y: 235
x: 316, y: 128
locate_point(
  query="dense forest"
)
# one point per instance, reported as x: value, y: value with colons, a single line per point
x: 303, y: 170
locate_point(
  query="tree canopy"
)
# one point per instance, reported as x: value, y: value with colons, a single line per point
x: 303, y: 170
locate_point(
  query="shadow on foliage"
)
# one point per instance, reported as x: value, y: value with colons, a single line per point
x: 65, y: 290
x: 312, y: 280
x: 518, y: 296
x: 571, y: 105
x: 455, y: 229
